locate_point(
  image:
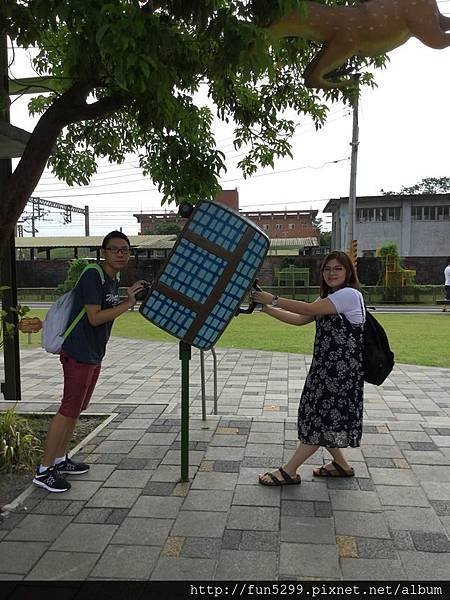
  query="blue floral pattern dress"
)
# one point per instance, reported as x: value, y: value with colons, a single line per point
x: 331, y: 406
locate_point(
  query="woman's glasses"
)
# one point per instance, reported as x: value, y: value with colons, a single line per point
x: 333, y: 269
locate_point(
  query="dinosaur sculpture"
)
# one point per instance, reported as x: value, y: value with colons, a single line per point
x: 368, y: 29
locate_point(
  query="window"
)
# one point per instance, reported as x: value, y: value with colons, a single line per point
x: 443, y: 213
x: 266, y: 227
x: 416, y: 213
x: 379, y: 214
x: 430, y: 213
x: 291, y: 226
x: 278, y: 226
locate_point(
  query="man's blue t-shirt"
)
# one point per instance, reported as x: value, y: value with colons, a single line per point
x: 86, y: 343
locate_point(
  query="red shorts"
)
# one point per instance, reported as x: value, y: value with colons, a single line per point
x: 79, y: 384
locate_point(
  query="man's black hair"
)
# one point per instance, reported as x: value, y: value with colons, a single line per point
x: 114, y: 234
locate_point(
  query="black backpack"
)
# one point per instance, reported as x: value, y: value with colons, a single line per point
x: 378, y: 358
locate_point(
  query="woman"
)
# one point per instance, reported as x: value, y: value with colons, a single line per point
x: 331, y: 406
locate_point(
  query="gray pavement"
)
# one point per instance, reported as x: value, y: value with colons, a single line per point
x: 131, y: 518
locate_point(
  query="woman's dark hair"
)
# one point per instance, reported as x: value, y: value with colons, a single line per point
x: 114, y: 234
x: 351, y: 278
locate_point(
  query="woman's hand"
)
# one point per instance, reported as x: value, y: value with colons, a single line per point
x: 261, y: 297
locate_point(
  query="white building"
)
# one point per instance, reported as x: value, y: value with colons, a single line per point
x: 418, y: 224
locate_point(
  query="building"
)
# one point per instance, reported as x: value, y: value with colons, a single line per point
x: 418, y: 224
x: 279, y: 224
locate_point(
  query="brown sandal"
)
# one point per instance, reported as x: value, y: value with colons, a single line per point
x: 337, y: 472
x: 287, y: 479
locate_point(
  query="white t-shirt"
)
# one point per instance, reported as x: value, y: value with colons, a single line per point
x: 349, y: 302
x: 447, y: 275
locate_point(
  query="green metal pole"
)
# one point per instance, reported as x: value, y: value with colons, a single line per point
x: 185, y: 357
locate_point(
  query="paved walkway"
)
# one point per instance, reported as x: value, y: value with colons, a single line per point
x: 130, y: 518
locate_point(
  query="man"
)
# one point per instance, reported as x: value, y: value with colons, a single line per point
x: 447, y: 283
x: 81, y: 356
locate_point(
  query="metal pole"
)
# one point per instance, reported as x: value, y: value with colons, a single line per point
x: 202, y: 377
x: 353, y: 170
x: 185, y: 357
x: 215, y: 379
x: 86, y: 221
x: 11, y: 386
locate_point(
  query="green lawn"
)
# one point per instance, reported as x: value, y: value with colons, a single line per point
x: 415, y: 339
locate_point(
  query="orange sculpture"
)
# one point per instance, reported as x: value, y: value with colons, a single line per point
x: 30, y: 325
x: 368, y: 29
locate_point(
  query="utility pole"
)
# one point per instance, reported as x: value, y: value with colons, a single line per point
x: 353, y: 170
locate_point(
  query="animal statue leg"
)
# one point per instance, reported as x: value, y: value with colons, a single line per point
x: 332, y: 55
x: 431, y: 36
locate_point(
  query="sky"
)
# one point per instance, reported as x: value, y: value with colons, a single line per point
x: 404, y: 136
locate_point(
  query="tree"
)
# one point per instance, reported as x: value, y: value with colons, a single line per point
x: 167, y: 229
x: 428, y: 185
x: 123, y: 77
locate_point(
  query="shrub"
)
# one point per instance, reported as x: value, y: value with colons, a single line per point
x: 18, y: 445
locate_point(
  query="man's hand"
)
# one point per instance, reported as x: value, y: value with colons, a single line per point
x: 134, y: 289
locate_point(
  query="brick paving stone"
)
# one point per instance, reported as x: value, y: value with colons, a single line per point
x: 393, y: 477
x: 361, y: 524
x: 310, y: 560
x: 126, y: 562
x: 39, y: 528
x: 51, y: 508
x: 402, y: 540
x: 173, y: 546
x: 322, y: 509
x: 231, y: 539
x: 226, y: 466
x: 413, y: 518
x: 148, y: 452
x: 430, y: 542
x: 200, y: 524
x: 367, y: 569
x: 386, y: 463
x: 117, y: 516
x: 184, y: 568
x: 256, y: 495
x: 133, y: 463
x: 214, y: 481
x: 128, y: 479
x: 142, y: 531
x: 354, y: 500
x: 338, y: 483
x: 263, y: 541
x: 201, y: 547
x: 114, y: 498
x: 441, y: 507
x: 18, y: 558
x: 391, y: 495
x: 237, y: 564
x: 254, y: 518
x: 80, y: 490
x: 423, y: 566
x: 310, y: 530
x: 221, y: 453
x: 93, y: 515
x: 297, y: 508
x: 346, y: 546
x: 156, y: 506
x: 375, y: 548
x: 72, y: 566
x: 366, y: 485
x: 208, y: 500
x: 84, y: 537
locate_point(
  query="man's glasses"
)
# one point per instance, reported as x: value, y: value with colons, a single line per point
x: 333, y: 269
x: 124, y: 251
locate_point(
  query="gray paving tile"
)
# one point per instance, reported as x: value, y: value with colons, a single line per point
x: 256, y: 495
x: 402, y: 540
x: 199, y: 524
x: 201, y: 547
x: 430, y: 542
x: 142, y: 531
x: 93, y: 515
x: 413, y: 519
x: 39, y: 528
x: 84, y: 537
x: 126, y: 562
x: 375, y: 548
x: 297, y: 508
x: 224, y: 453
x: 437, y: 490
x: 402, y: 496
x: 372, y: 569
x: 423, y: 566
x: 209, y: 500
x: 123, y: 447
x: 309, y: 530
x: 254, y: 518
x: 354, y: 500
x: 184, y: 568
x: 397, y: 477
x: 309, y: 560
x: 156, y: 506
x: 237, y: 564
x: 361, y: 524
x: 128, y: 478
x: 114, y: 498
x: 60, y: 566
x: 214, y: 481
x: 19, y: 558
x: 263, y: 541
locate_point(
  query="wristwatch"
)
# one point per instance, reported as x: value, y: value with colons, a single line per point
x: 274, y: 301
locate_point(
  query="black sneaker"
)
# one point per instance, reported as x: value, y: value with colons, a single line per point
x: 51, y: 480
x: 71, y: 467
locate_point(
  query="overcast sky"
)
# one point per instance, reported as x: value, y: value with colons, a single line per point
x: 404, y: 137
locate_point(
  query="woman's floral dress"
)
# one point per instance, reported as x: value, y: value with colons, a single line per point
x: 331, y: 406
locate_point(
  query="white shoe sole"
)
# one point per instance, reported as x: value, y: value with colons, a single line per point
x: 48, y: 488
x: 73, y: 472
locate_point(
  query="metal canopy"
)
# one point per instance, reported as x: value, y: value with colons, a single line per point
x: 12, y: 140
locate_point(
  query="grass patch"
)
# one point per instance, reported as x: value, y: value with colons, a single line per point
x: 416, y: 339
x: 13, y: 484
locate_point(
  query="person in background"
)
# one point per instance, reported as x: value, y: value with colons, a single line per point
x: 81, y: 357
x: 331, y: 406
x: 447, y: 283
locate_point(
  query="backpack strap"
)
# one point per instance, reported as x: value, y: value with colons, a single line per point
x: 80, y: 315
x: 363, y: 310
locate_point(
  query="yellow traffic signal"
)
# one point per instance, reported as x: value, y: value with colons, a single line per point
x: 353, y: 252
